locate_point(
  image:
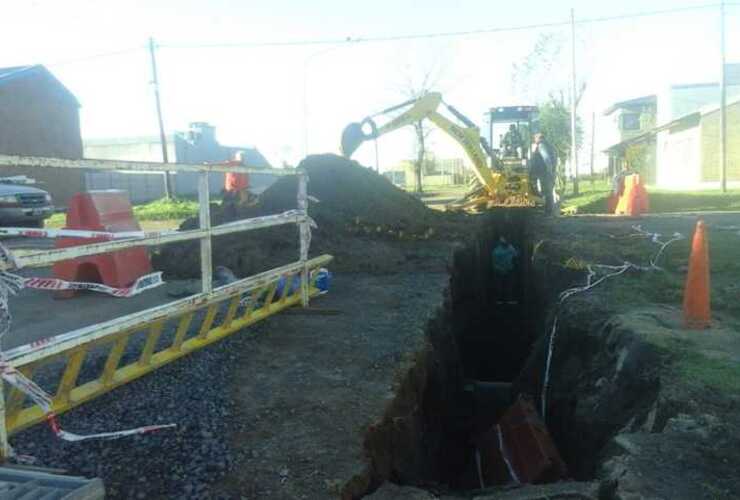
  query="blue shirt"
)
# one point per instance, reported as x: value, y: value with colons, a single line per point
x: 503, y: 258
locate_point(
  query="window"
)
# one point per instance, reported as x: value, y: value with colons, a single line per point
x: 630, y: 121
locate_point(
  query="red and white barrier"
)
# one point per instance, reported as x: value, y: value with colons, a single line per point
x: 142, y: 284
x: 44, y: 401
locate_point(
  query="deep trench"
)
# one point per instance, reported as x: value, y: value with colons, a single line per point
x: 461, y: 385
x: 494, y: 326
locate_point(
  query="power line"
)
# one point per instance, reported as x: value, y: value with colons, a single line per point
x: 393, y: 38
x: 449, y: 34
x: 96, y: 56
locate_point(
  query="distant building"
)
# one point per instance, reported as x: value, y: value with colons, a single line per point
x: 197, y: 145
x: 39, y: 116
x: 625, y: 121
x: 688, y: 148
x: 437, y: 172
x: 680, y: 149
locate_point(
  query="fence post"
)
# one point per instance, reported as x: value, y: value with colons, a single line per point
x: 204, y: 202
x: 4, y: 446
x: 304, y: 233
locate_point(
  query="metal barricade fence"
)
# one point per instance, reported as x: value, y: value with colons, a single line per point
x: 168, y: 331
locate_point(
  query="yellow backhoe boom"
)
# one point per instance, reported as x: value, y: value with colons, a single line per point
x: 426, y: 108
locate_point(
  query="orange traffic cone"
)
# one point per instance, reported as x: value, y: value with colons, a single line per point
x: 696, y: 308
x: 629, y: 204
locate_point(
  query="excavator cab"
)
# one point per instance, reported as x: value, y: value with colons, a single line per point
x: 510, y: 131
x: 496, y: 184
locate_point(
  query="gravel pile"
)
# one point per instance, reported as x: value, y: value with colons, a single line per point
x: 193, y: 393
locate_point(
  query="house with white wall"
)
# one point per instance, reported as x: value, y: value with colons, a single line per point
x: 681, y: 151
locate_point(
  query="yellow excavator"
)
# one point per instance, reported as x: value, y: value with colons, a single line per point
x: 498, y: 183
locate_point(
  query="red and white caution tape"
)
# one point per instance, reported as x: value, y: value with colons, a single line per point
x: 146, y: 282
x: 11, y: 284
x: 29, y: 232
x: 44, y: 401
x: 505, y: 455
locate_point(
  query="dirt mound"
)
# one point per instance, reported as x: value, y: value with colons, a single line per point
x: 351, y: 195
x: 353, y: 201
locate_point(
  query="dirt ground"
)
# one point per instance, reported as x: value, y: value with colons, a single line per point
x: 635, y: 400
x: 636, y: 397
x: 311, y: 384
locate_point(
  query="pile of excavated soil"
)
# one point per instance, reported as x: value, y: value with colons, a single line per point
x: 366, y: 222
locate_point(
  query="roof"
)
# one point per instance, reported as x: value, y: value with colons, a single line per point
x: 732, y: 77
x: 118, y: 141
x: 505, y: 113
x: 252, y: 156
x: 13, y: 73
x: 711, y: 108
x: 688, y: 120
x: 637, y: 101
x: 6, y: 73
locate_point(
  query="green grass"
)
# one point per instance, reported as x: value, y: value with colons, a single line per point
x: 662, y: 201
x: 159, y: 210
x: 593, y: 200
x: 699, y: 370
x: 165, y: 209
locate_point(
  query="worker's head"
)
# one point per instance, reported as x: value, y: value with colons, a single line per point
x: 538, y: 137
x: 512, y: 127
x: 502, y: 240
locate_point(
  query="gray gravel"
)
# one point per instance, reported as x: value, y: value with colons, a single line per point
x: 192, y: 392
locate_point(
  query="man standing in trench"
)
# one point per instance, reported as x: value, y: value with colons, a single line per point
x: 503, y: 256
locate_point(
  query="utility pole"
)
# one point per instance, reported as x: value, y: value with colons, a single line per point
x: 593, y: 143
x: 162, y: 135
x: 722, y: 103
x: 573, y: 149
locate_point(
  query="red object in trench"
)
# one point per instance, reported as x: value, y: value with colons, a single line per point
x: 519, y: 449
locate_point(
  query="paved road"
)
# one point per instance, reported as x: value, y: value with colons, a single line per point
x: 36, y: 314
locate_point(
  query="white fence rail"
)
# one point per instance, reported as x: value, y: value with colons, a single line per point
x: 74, y: 346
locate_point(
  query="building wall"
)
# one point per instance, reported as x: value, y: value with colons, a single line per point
x: 39, y: 118
x: 710, y: 145
x: 135, y: 149
x: 181, y: 148
x: 610, y: 132
x: 678, y: 158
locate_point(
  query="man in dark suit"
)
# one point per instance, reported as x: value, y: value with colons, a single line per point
x: 543, y: 169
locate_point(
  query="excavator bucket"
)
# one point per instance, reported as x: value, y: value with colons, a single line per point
x: 355, y: 134
x: 352, y: 137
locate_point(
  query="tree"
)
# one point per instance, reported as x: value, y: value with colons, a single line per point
x: 543, y: 77
x: 555, y: 125
x: 416, y: 90
x: 540, y: 73
x: 416, y: 81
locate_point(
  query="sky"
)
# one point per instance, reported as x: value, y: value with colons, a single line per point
x: 289, y: 100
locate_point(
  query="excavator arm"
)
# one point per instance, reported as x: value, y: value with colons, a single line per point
x: 468, y: 135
